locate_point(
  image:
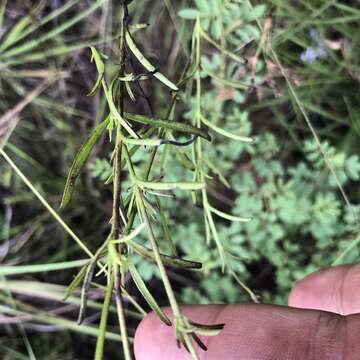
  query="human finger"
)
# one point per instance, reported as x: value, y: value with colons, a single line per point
x: 256, y: 332
x: 330, y: 289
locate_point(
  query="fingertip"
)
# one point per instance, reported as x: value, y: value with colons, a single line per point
x: 299, y: 294
x: 312, y: 292
x: 146, y: 342
x: 328, y: 289
x: 140, y: 338
x: 154, y: 339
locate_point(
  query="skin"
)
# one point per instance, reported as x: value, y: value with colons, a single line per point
x: 319, y: 323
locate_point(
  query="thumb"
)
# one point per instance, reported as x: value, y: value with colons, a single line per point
x: 331, y: 289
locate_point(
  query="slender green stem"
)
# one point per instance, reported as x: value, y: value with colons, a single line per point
x: 162, y: 133
x: 199, y: 150
x: 121, y: 313
x: 169, y: 291
x: 38, y: 268
x: 117, y: 226
x: 58, y: 321
x: 116, y: 220
x: 99, y: 352
x: 45, y: 203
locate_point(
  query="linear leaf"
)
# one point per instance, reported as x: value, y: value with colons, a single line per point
x: 75, y: 283
x: 130, y: 92
x: 100, y: 68
x: 228, y: 216
x: 15, y: 32
x: 184, y: 159
x: 230, y: 54
x: 172, y: 261
x: 208, y: 332
x: 142, y: 142
x: 166, y: 186
x: 166, y: 229
x: 147, y: 65
x: 129, y: 237
x: 85, y: 289
x: 59, y: 321
x: 171, y: 125
x: 147, y: 295
x: 231, y: 83
x: 226, y: 133
x: 37, y: 268
x: 217, y: 172
x: 132, y: 77
x: 80, y: 160
x: 115, y: 112
x: 2, y: 12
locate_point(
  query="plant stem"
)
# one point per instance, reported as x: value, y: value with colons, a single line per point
x: 116, y: 220
x: 46, y: 204
x: 121, y: 312
x: 117, y: 225
x: 99, y: 352
x: 169, y: 291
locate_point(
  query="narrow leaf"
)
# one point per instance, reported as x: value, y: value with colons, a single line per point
x: 100, y: 68
x: 166, y: 186
x: 184, y: 159
x: 37, y: 268
x: 129, y: 237
x: 115, y: 112
x: 147, y: 295
x: 2, y: 12
x: 228, y: 216
x: 142, y: 142
x: 231, y: 83
x: 130, y: 92
x: 85, y: 290
x: 217, y: 172
x: 166, y: 230
x: 42, y: 317
x: 230, y: 54
x: 198, y: 341
x: 15, y: 32
x: 80, y: 160
x: 167, y: 124
x: 208, y: 332
x: 172, y: 261
x: 132, y: 77
x: 226, y: 133
x: 75, y: 283
x: 219, y: 326
x: 147, y: 65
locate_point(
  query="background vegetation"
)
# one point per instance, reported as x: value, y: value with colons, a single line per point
x: 302, y: 90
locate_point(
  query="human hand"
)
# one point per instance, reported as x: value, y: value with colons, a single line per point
x: 269, y: 332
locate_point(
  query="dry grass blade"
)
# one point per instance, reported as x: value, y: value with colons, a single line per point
x: 10, y: 119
